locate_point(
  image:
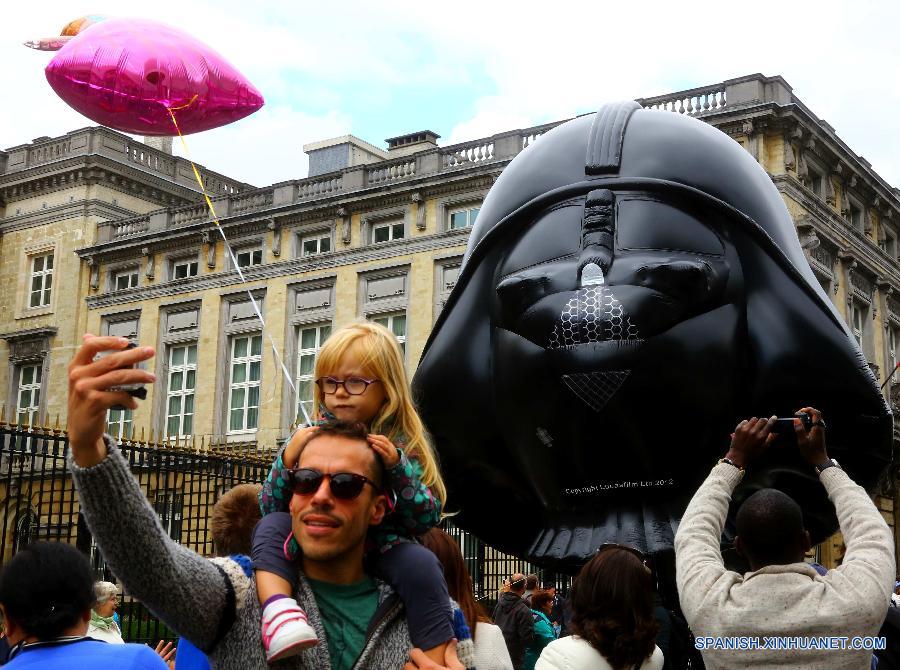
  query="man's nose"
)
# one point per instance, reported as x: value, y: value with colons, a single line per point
x: 322, y: 497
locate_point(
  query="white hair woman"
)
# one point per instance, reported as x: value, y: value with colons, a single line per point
x: 102, y: 626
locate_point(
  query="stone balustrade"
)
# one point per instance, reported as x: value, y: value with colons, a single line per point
x: 391, y: 170
x: 109, y: 144
x: 466, y: 154
x: 692, y: 102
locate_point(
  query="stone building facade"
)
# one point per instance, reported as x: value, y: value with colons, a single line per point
x: 136, y: 253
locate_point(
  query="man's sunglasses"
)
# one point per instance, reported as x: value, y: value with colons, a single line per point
x: 344, y: 485
x: 353, y: 385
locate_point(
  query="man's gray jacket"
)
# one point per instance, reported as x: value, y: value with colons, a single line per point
x: 211, y: 603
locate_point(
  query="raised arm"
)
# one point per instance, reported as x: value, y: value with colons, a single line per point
x: 698, y: 556
x: 189, y: 593
x: 867, y: 571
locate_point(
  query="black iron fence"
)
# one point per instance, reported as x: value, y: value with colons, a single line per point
x: 182, y: 480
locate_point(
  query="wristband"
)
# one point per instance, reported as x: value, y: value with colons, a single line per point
x: 830, y: 463
x: 731, y: 463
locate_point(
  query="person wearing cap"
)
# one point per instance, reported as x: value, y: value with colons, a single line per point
x: 514, y: 618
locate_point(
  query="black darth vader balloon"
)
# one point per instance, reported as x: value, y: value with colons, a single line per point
x: 633, y: 287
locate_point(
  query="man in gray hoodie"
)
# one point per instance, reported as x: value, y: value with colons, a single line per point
x: 514, y: 618
x: 213, y: 603
x: 783, y: 612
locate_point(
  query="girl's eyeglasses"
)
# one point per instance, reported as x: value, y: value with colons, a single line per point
x: 352, y: 385
x: 344, y: 485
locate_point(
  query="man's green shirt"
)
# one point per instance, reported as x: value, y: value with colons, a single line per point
x: 346, y: 612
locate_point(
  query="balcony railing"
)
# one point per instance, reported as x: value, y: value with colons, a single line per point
x: 98, y: 141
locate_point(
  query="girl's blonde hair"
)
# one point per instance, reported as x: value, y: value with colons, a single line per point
x: 380, y: 357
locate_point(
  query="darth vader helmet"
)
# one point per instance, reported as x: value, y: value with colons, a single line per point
x: 632, y: 288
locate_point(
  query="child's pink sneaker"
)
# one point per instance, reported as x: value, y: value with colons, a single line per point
x: 285, y: 629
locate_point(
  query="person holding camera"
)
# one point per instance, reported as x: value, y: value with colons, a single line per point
x: 783, y: 598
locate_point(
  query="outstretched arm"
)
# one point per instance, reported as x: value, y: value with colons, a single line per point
x: 185, y: 590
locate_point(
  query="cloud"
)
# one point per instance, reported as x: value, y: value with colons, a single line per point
x: 331, y: 68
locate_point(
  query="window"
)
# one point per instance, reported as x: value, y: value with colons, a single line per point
x: 25, y: 529
x: 446, y: 276
x: 855, y: 217
x: 119, y: 423
x: 125, y: 279
x: 859, y: 323
x: 888, y: 244
x: 319, y: 243
x: 815, y: 183
x: 248, y: 257
x: 169, y: 507
x: 396, y: 323
x: 387, y: 231
x: 462, y: 218
x: 29, y: 396
x: 309, y: 340
x: 244, y: 382
x: 184, y: 268
x: 41, y: 280
x: 181, y: 383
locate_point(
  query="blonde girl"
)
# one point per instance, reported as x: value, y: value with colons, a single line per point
x: 359, y: 377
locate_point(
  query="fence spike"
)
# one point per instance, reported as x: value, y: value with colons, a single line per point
x: 142, y: 435
x: 56, y: 424
x: 150, y: 436
x: 202, y: 442
x: 2, y: 414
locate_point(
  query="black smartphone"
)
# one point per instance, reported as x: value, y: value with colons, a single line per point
x: 785, y: 425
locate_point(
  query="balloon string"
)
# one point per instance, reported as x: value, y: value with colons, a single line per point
x: 227, y: 245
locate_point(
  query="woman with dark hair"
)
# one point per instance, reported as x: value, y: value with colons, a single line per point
x: 490, y: 647
x: 46, y: 596
x: 612, y: 617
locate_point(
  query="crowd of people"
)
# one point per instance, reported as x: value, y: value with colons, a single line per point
x: 337, y: 560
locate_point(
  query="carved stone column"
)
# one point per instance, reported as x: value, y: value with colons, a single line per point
x: 275, y: 227
x: 95, y: 272
x: 419, y: 201
x: 148, y: 263
x: 848, y: 262
x: 829, y: 189
x: 210, y: 243
x: 343, y: 220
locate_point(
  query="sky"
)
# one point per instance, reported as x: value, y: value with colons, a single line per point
x: 467, y: 69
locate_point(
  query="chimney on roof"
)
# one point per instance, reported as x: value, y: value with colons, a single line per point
x: 339, y: 153
x: 404, y: 145
x: 163, y: 144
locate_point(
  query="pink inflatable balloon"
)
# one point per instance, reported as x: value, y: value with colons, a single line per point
x: 126, y: 74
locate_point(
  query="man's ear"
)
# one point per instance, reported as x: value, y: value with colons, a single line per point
x: 379, y: 510
x: 739, y: 546
x: 86, y: 615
